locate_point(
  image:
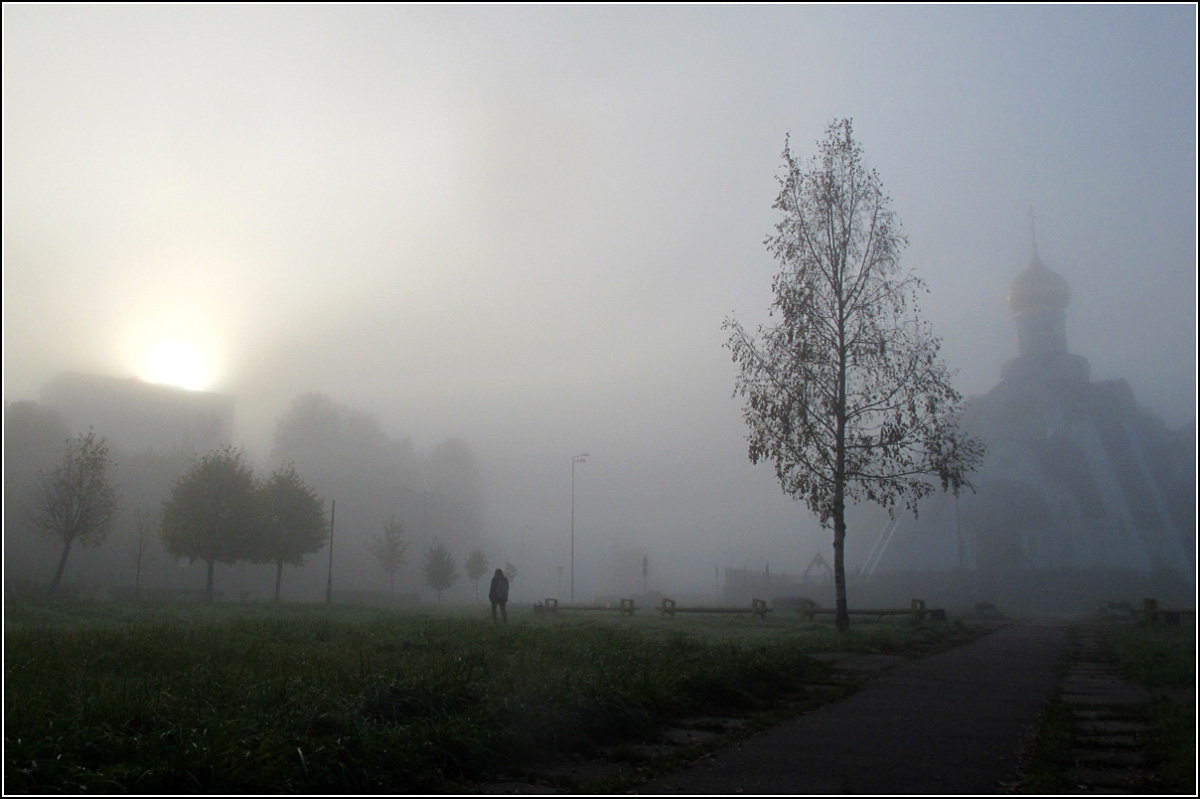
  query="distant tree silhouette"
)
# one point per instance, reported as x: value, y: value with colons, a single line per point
x: 390, y: 549
x: 454, y: 498
x: 441, y: 571
x: 213, y: 512
x: 33, y: 440
x: 292, y: 523
x: 476, y: 566
x: 76, y: 501
x: 144, y: 529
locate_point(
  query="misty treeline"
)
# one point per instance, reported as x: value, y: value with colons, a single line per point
x: 322, y: 451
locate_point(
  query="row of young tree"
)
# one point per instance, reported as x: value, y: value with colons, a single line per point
x: 340, y: 452
x: 219, y: 512
x: 440, y: 568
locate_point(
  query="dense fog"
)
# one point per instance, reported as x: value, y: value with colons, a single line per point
x: 487, y: 240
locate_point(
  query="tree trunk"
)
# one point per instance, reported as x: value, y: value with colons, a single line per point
x: 839, y: 526
x: 839, y: 562
x: 839, y: 488
x: 62, y: 565
x: 208, y: 585
x: 278, y: 577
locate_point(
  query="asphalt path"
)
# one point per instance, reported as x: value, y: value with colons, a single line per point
x: 950, y: 723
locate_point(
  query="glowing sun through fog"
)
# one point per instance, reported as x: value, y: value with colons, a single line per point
x: 177, y: 363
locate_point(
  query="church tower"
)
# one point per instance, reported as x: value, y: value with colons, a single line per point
x: 1038, y: 300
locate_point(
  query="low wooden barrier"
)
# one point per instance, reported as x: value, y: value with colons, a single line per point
x: 552, y: 605
x: 757, y: 606
x: 916, y: 610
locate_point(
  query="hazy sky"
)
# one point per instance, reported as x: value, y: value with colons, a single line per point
x: 524, y: 225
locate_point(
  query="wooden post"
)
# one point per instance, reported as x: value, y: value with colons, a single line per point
x: 917, y: 610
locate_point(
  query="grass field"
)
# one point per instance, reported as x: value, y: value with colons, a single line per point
x: 1164, y: 656
x: 262, y: 698
x: 1158, y: 656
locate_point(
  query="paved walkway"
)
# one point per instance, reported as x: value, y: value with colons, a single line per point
x: 950, y: 723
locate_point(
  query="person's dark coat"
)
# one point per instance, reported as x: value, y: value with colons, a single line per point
x: 498, y: 593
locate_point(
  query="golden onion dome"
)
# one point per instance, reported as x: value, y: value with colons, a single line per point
x: 1038, y: 287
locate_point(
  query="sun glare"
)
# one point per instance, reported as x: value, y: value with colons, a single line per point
x: 177, y: 363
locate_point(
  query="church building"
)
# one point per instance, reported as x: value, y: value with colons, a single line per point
x: 1079, y: 487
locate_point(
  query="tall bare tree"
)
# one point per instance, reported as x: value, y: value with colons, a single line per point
x: 844, y: 392
x: 76, y: 501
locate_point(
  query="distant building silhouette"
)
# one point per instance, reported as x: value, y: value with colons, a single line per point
x: 138, y: 416
x: 742, y: 585
x: 1077, y: 478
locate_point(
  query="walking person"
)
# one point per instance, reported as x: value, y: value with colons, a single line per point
x: 498, y: 595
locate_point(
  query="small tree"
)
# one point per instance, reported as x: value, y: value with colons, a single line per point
x: 390, y: 548
x: 144, y: 525
x: 476, y: 566
x: 213, y: 512
x: 441, y: 571
x: 292, y: 524
x: 845, y: 393
x: 77, y: 499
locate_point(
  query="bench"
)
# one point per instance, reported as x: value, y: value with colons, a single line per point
x: 916, y: 610
x: 757, y: 606
x: 552, y: 605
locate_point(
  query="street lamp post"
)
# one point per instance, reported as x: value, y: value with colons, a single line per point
x: 574, y: 460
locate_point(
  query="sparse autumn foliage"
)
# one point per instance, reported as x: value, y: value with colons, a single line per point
x: 76, y: 501
x: 844, y: 392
